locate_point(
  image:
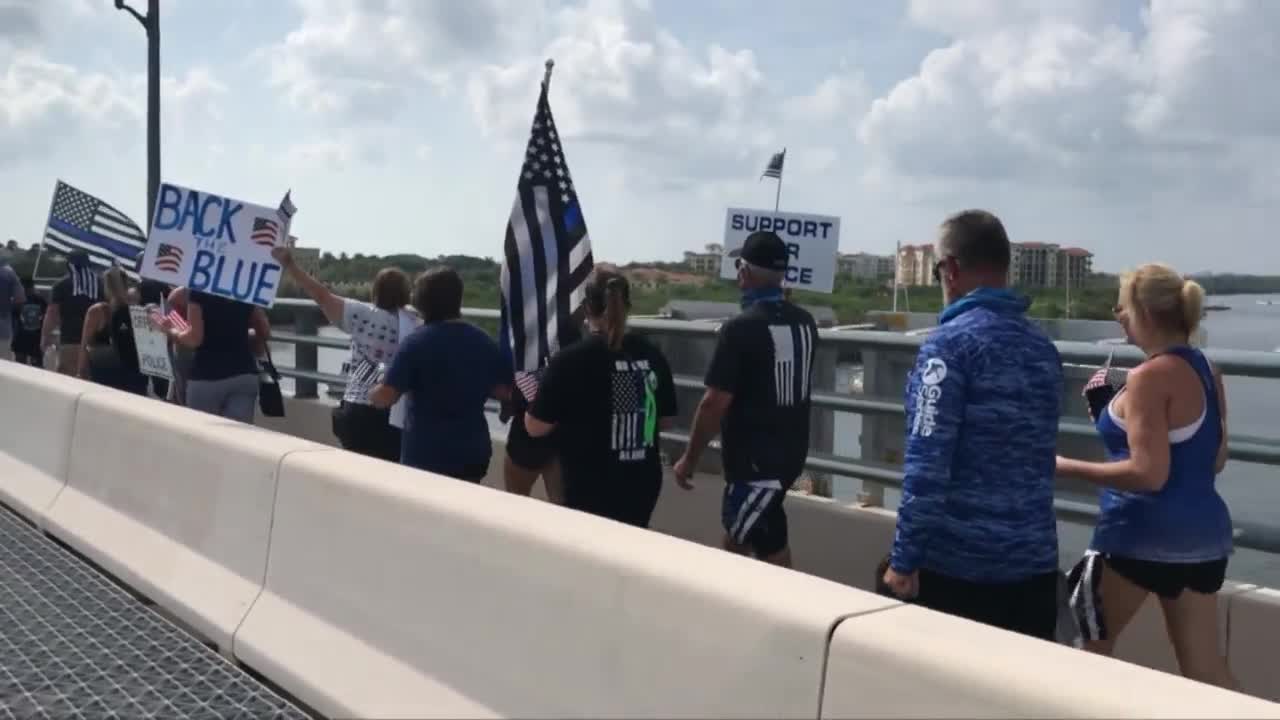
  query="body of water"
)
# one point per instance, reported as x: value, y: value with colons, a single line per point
x: 1251, y: 490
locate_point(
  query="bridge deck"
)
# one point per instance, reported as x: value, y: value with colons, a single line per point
x: 74, y: 645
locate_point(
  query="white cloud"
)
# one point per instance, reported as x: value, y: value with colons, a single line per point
x: 360, y: 60
x: 48, y: 103
x: 320, y: 155
x: 1068, y: 98
x: 673, y: 115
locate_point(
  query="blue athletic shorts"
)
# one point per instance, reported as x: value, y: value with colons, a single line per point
x: 752, y: 515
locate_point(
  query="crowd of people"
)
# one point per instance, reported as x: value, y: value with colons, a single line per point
x: 976, y: 530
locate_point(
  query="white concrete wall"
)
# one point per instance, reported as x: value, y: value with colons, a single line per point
x: 368, y: 589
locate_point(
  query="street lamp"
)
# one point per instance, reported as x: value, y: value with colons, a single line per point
x: 151, y: 23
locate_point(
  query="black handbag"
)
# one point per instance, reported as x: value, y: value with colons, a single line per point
x: 270, y: 398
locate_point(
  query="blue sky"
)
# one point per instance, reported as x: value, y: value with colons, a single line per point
x: 1141, y: 130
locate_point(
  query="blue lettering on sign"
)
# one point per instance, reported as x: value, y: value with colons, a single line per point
x: 228, y: 212
x: 266, y: 281
x: 799, y: 276
x: 782, y: 226
x: 243, y: 280
x: 201, y: 229
x: 793, y: 250
x: 173, y: 211
x: 191, y: 211
x: 201, y: 271
x: 169, y: 198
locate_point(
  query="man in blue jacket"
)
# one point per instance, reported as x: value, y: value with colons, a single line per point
x: 977, y: 536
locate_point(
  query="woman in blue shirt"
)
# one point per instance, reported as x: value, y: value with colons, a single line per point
x: 449, y: 368
x: 1163, y: 528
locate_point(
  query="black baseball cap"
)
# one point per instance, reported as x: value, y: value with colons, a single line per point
x: 764, y: 249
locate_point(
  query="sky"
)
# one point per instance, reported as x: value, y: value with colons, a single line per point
x: 1139, y: 130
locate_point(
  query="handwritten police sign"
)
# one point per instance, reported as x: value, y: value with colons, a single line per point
x: 812, y: 240
x: 216, y: 244
x: 153, y: 346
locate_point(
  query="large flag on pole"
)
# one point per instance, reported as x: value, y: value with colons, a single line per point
x: 546, y: 254
x: 80, y: 221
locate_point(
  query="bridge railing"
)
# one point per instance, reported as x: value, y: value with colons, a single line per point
x: 875, y: 475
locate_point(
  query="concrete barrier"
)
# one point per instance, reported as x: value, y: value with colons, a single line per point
x: 911, y: 662
x: 393, y: 593
x: 174, y: 502
x: 35, y: 436
x: 843, y: 543
x: 1255, y: 640
x: 1146, y: 639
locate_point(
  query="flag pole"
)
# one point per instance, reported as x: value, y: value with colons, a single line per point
x: 777, y: 196
x: 35, y: 271
x: 546, y: 79
x: 897, y: 270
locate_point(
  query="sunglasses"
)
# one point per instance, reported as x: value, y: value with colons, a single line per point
x: 937, y: 269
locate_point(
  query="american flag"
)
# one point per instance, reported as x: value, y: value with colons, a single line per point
x: 168, y: 258
x: 546, y: 254
x: 1098, y: 380
x: 179, y: 322
x: 1100, y: 377
x: 774, y: 168
x: 286, y: 209
x: 527, y: 384
x: 264, y: 232
x: 80, y: 221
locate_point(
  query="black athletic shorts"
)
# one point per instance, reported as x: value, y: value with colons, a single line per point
x: 528, y: 452
x: 367, y: 430
x: 1168, y: 580
x: 1027, y: 606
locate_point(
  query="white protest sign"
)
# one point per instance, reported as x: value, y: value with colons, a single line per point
x: 153, y: 346
x: 812, y: 242
x: 216, y: 245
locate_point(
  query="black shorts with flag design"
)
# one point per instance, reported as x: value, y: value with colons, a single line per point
x: 1166, y: 580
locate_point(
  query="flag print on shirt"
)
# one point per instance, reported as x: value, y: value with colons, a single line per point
x: 628, y: 395
x: 374, y: 337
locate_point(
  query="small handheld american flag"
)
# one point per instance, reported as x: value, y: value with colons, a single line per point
x: 179, y: 323
x: 1098, y: 391
x: 1100, y: 377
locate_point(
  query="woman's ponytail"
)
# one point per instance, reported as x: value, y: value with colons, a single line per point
x: 615, y: 311
x: 1192, y: 303
x: 607, y: 300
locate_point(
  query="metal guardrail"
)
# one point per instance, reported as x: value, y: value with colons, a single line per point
x: 1232, y: 362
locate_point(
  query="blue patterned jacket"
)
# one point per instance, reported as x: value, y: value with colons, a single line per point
x: 982, y: 424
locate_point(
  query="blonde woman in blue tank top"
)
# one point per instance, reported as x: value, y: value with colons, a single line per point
x: 1163, y: 528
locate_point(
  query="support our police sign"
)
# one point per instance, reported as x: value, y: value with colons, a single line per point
x: 216, y: 245
x: 812, y: 242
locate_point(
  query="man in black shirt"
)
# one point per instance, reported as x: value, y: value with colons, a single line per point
x: 758, y: 388
x: 28, y: 318
x: 70, y: 299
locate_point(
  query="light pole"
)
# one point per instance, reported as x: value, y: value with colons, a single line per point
x: 151, y: 23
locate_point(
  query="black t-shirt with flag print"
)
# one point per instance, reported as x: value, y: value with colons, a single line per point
x: 606, y: 406
x: 764, y: 358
